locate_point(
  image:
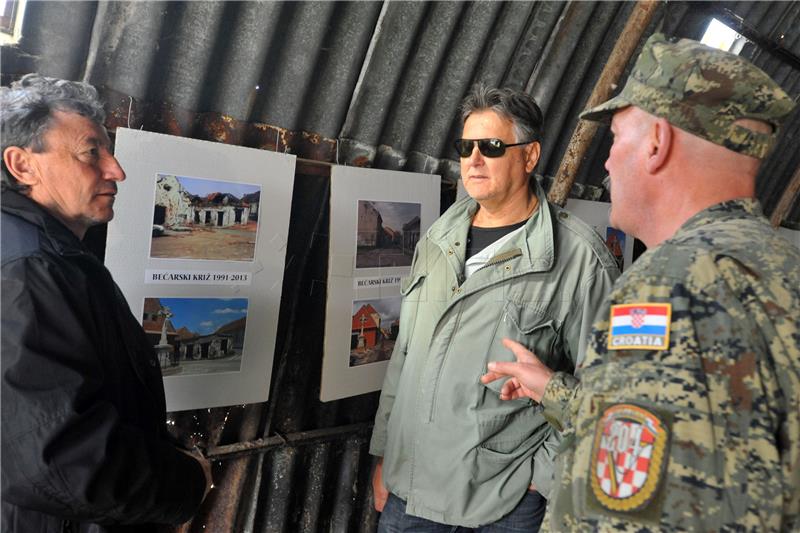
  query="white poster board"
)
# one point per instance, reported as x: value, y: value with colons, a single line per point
x: 791, y: 235
x: 377, y: 217
x: 595, y: 214
x: 200, y: 260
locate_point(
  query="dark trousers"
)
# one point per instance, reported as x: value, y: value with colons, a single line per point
x: 526, y: 517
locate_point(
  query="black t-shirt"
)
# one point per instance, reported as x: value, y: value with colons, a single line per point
x: 480, y: 238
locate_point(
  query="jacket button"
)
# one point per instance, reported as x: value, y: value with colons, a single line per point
x: 453, y: 288
x: 450, y: 251
x: 508, y: 267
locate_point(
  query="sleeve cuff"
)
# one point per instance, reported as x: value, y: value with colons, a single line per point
x: 557, y: 395
x: 377, y: 446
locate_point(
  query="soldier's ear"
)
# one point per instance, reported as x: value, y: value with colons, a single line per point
x: 20, y: 164
x: 659, y: 145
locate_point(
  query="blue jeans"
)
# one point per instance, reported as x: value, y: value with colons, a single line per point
x: 525, y: 518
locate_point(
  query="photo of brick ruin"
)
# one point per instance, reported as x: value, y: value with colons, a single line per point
x: 375, y: 326
x: 196, y: 335
x: 204, y: 219
x: 387, y: 233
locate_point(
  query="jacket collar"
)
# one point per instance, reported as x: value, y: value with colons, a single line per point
x: 61, y: 238
x: 722, y: 211
x: 535, y: 242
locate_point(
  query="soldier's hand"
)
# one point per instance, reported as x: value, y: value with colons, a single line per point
x: 379, y: 492
x: 529, y: 376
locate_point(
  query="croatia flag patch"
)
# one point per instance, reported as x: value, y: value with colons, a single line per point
x: 643, y: 326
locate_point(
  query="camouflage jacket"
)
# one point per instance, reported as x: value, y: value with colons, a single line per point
x: 685, y: 415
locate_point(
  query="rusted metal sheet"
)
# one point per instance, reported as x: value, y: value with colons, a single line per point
x: 372, y: 84
x: 126, y: 111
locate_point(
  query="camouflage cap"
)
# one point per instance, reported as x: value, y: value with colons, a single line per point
x: 704, y: 91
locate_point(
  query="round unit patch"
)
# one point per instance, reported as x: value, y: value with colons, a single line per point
x: 628, y: 456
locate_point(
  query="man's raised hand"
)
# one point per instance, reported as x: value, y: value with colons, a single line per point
x: 529, y: 376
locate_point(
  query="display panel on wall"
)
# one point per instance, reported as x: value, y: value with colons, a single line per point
x: 200, y: 259
x: 377, y: 217
x: 596, y: 215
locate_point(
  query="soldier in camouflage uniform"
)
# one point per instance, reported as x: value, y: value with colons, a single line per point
x: 685, y: 413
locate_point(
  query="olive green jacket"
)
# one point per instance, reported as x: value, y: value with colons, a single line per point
x: 452, y: 449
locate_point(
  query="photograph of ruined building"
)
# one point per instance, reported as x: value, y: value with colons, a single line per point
x: 197, y: 218
x: 386, y: 234
x: 196, y: 335
x: 374, y: 329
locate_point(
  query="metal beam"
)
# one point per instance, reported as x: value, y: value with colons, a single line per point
x: 300, y: 438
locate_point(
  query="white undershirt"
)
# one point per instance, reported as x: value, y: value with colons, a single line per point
x: 480, y: 259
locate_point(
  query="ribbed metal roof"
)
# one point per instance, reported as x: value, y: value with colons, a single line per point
x: 357, y: 83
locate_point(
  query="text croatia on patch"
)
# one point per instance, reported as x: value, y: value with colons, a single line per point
x: 639, y: 326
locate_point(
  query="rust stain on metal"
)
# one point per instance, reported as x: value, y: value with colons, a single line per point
x: 163, y: 117
x: 220, y: 128
x: 361, y: 161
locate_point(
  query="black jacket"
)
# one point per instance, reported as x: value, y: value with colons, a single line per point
x: 84, y: 440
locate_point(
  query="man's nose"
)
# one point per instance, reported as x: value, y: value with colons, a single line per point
x: 475, y: 156
x: 112, y: 169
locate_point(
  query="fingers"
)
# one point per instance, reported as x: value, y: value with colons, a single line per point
x: 522, y: 354
x: 491, y: 376
x: 380, y: 500
x: 511, y: 390
x: 379, y: 492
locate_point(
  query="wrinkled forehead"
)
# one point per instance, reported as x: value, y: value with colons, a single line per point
x: 74, y: 128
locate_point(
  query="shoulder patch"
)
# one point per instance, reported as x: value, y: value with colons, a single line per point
x: 640, y: 326
x: 628, y: 457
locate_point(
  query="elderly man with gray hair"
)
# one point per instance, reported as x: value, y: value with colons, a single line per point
x: 501, y: 263
x: 84, y: 440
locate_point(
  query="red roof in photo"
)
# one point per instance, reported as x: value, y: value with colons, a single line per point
x: 369, y: 312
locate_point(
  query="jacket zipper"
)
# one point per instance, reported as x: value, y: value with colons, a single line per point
x: 501, y: 259
x: 435, y: 391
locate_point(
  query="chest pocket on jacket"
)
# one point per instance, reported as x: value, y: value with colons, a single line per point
x: 412, y: 291
x: 529, y: 325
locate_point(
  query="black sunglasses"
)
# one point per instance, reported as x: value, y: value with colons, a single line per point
x: 487, y: 147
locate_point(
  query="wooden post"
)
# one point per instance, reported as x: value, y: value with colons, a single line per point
x: 584, y: 132
x: 785, y: 204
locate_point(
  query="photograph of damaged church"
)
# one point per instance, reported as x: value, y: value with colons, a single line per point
x: 374, y: 330
x: 196, y: 218
x: 196, y: 335
x: 387, y: 233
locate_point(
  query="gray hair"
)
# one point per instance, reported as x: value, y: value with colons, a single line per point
x: 518, y: 107
x: 26, y: 110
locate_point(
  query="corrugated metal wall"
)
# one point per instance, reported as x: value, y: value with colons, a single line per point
x: 357, y: 83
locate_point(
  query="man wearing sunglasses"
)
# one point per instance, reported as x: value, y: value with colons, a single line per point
x: 502, y: 263
x: 687, y: 413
